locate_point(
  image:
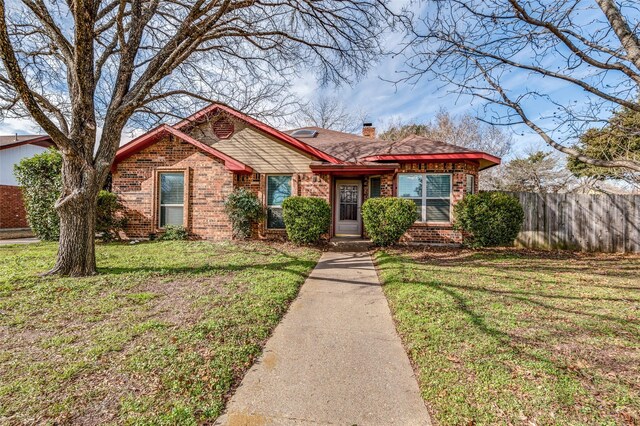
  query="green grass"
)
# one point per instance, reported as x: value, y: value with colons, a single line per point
x: 519, y: 337
x: 161, y: 336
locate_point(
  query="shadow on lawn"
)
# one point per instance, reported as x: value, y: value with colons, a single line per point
x: 208, y: 269
x: 543, y: 349
x: 548, y: 263
x: 285, y: 265
x: 553, y: 335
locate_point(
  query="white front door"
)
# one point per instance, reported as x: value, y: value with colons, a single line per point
x: 347, y: 208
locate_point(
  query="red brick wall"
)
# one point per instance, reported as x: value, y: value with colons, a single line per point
x: 12, y: 212
x: 430, y: 233
x: 302, y: 184
x: 209, y: 184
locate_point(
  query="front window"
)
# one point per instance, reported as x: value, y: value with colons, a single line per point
x: 171, y: 199
x: 374, y: 187
x: 278, y: 188
x: 430, y: 192
x: 470, y: 184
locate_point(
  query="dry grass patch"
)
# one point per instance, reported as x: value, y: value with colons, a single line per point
x: 161, y: 336
x: 520, y: 337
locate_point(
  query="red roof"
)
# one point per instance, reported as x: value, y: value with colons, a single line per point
x: 302, y: 146
x: 13, y: 141
x: 352, y: 148
x: 154, y: 135
x: 342, y: 151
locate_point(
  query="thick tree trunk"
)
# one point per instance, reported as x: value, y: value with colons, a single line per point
x: 77, y: 210
x: 76, y: 253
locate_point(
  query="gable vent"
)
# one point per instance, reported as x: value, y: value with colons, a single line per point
x: 305, y: 133
x: 222, y: 128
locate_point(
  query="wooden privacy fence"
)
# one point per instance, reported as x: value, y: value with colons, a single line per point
x: 606, y: 223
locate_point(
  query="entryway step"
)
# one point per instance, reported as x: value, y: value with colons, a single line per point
x: 354, y: 244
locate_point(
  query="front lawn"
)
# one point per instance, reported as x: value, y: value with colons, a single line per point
x: 519, y: 337
x: 161, y: 336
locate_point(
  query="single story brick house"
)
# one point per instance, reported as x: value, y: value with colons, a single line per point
x: 182, y: 175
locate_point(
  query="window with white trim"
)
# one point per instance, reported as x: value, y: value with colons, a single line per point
x: 431, y: 192
x: 278, y: 188
x: 471, y: 182
x: 171, y: 197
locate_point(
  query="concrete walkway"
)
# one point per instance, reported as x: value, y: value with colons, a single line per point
x: 334, y: 359
x: 29, y: 240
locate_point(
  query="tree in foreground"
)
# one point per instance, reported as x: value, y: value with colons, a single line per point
x: 556, y: 66
x: 83, y: 70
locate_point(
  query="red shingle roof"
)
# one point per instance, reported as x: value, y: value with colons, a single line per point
x: 357, y: 149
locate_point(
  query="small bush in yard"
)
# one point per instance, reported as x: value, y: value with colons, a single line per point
x: 174, y: 233
x: 491, y: 219
x: 244, y: 209
x: 40, y: 177
x: 107, y: 221
x: 387, y: 219
x: 306, y: 219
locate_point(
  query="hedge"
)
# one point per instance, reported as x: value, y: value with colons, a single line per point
x: 387, y: 219
x: 490, y: 219
x: 40, y: 177
x: 244, y: 209
x: 306, y: 219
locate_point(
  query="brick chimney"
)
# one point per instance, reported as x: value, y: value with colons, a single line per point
x: 368, y: 131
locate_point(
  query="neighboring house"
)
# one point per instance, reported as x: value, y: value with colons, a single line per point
x: 13, y: 149
x: 182, y: 175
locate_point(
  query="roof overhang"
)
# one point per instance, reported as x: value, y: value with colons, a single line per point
x: 354, y: 169
x: 43, y: 141
x: 485, y: 160
x: 152, y: 136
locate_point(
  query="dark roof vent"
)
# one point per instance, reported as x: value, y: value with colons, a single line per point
x: 223, y: 128
x: 304, y: 133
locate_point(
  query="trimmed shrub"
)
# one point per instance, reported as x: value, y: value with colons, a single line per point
x: 244, y: 209
x: 306, y: 218
x: 107, y: 221
x: 174, y: 233
x: 41, y: 179
x: 491, y: 218
x: 387, y: 219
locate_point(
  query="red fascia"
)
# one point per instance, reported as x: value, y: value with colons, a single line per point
x: 43, y: 141
x: 150, y: 137
x: 435, y: 157
x: 261, y: 126
x: 351, y: 169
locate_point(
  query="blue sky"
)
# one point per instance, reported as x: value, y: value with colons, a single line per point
x: 384, y: 102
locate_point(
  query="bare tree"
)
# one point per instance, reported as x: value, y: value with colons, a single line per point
x: 465, y: 130
x: 543, y: 172
x: 574, y: 60
x: 328, y: 112
x: 79, y: 65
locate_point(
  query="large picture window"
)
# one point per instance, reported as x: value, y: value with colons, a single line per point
x: 430, y: 192
x: 171, y: 198
x: 278, y: 188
